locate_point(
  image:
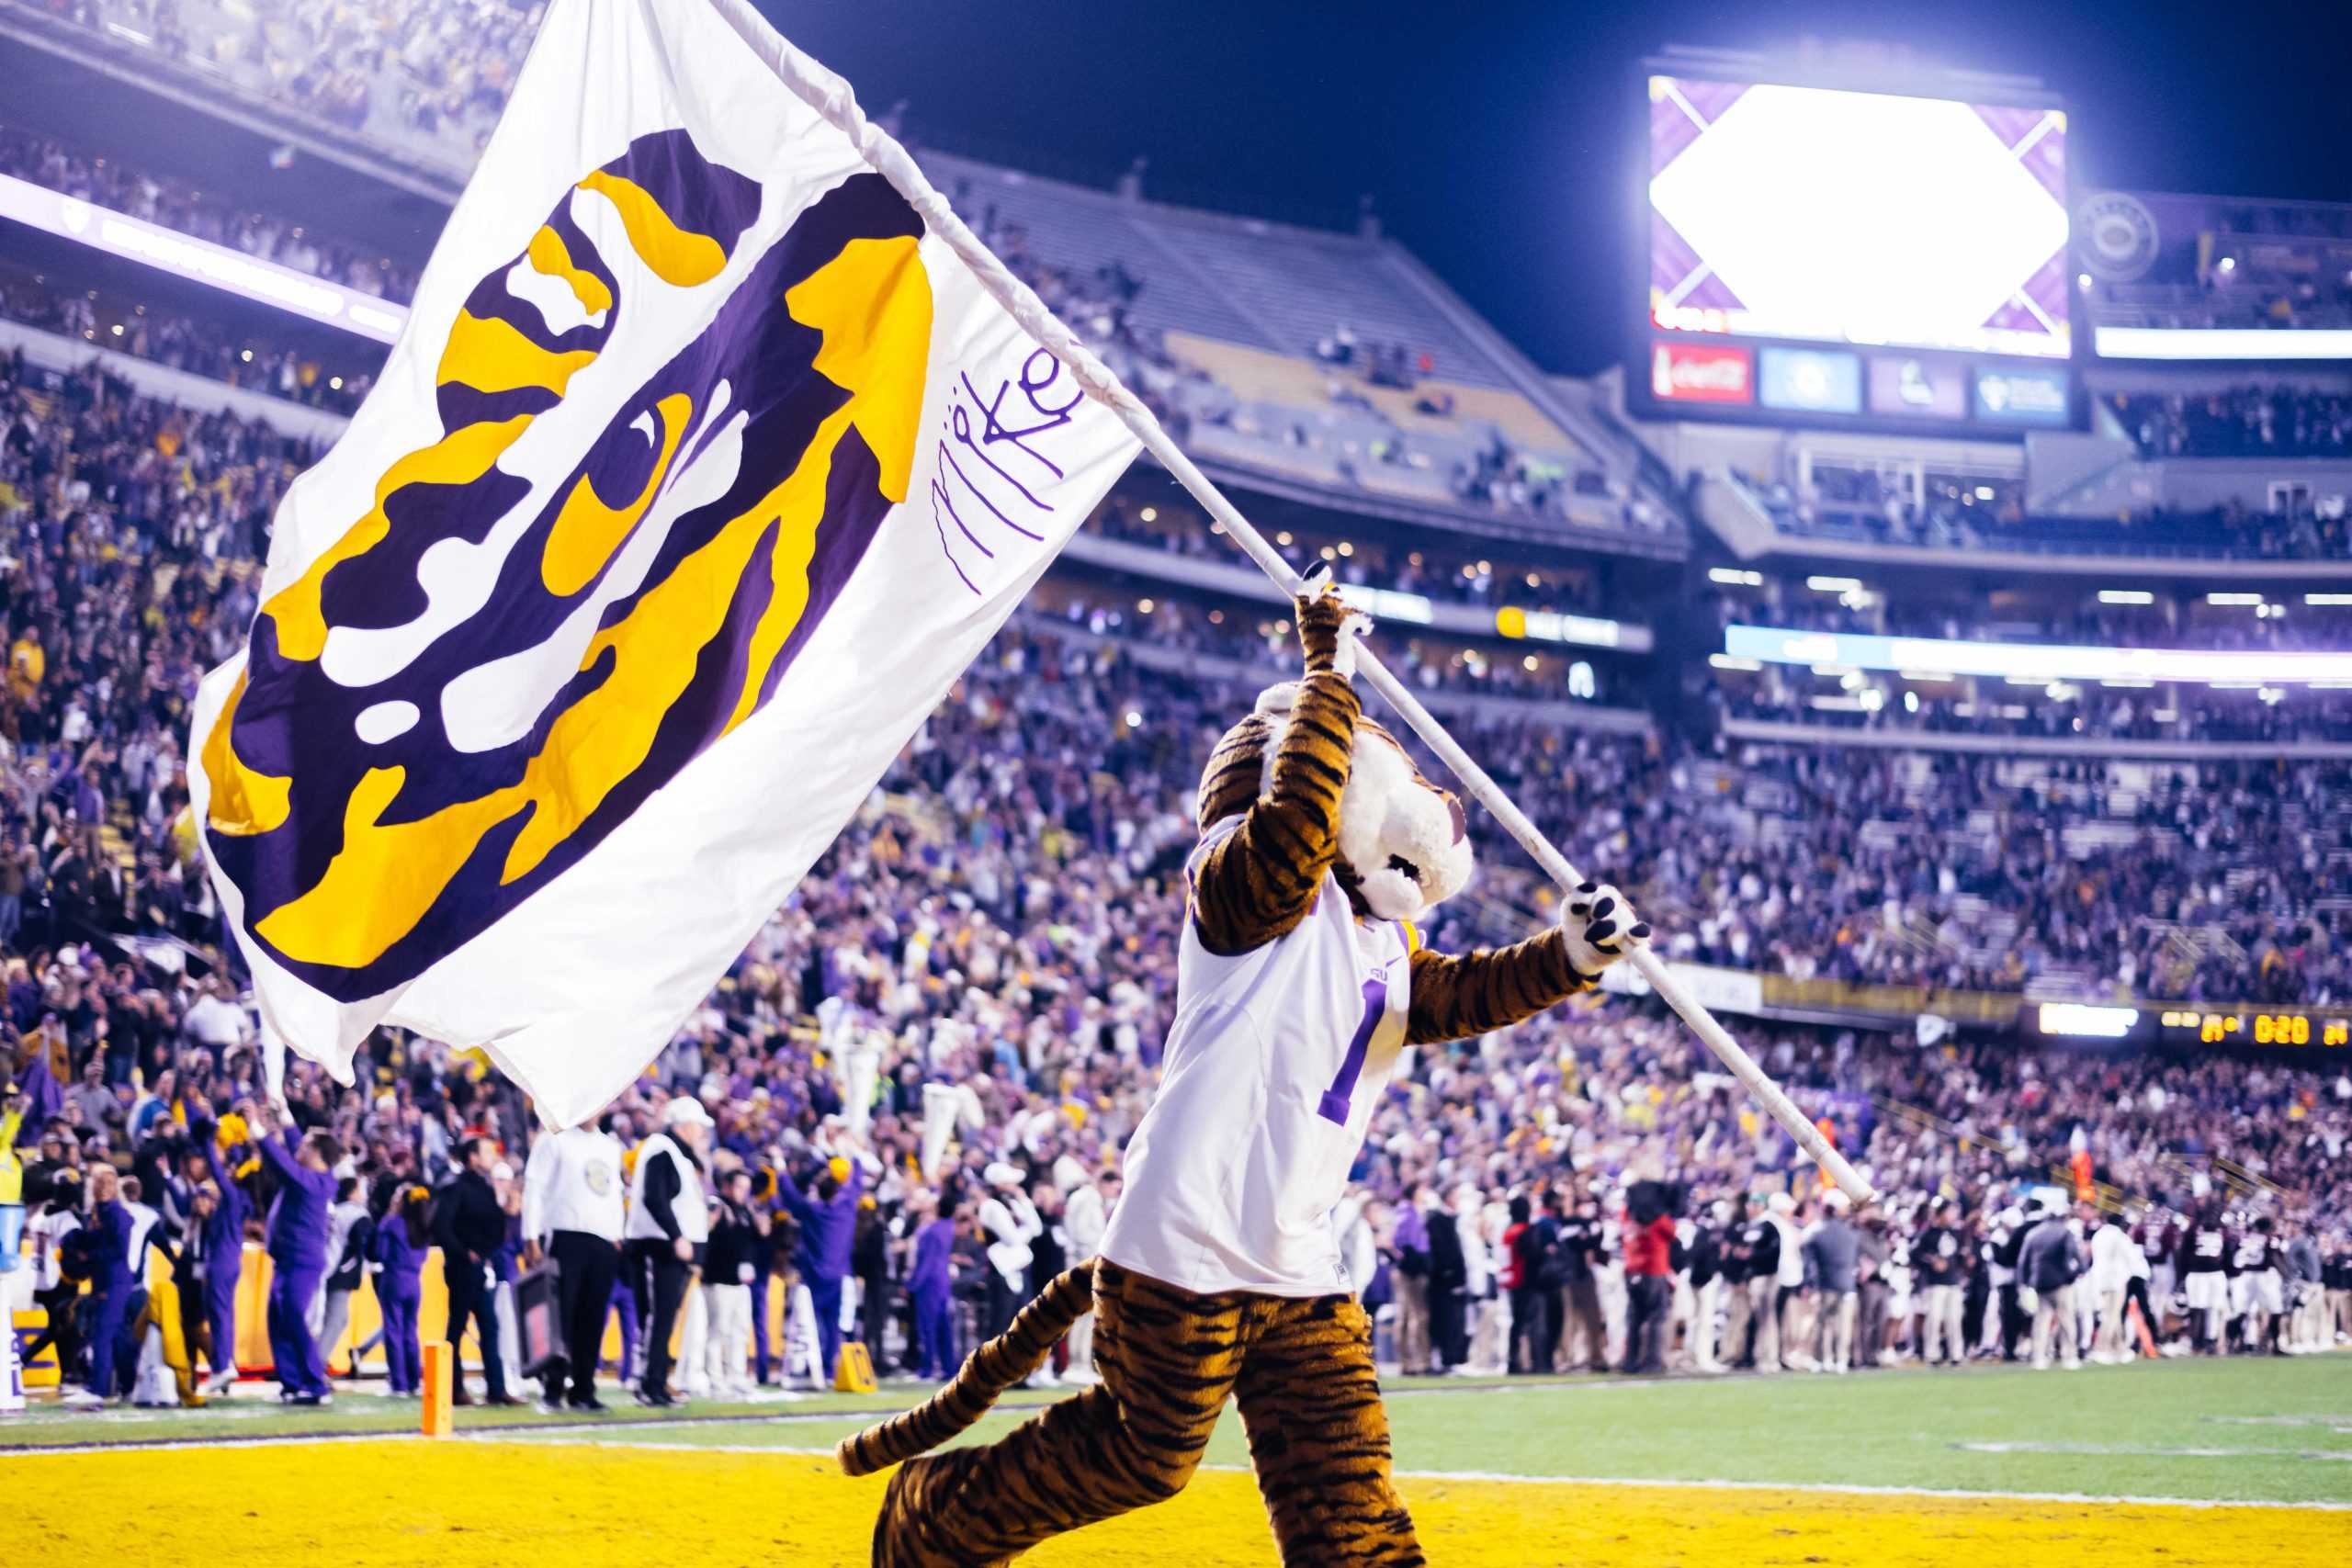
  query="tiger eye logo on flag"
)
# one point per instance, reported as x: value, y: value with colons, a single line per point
x: 415, y: 747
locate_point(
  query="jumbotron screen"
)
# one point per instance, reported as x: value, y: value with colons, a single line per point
x: 1830, y: 216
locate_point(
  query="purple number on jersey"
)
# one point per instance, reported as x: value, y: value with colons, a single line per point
x: 1334, y: 1104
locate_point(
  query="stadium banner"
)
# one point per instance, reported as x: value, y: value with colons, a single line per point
x: 699, y: 474
x: 1718, y: 989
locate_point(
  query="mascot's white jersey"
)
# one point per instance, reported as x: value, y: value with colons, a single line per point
x: 1274, y: 1064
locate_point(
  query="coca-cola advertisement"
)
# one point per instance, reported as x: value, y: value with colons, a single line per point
x: 1701, y: 373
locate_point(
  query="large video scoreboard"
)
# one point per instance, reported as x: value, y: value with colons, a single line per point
x: 1860, y: 258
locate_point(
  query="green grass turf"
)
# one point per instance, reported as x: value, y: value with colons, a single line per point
x: 2245, y: 1430
x: 2260, y: 1430
x: 256, y: 1414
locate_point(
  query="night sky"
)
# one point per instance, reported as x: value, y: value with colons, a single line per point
x: 1495, y: 137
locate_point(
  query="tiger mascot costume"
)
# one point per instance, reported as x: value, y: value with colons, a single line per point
x: 1299, y: 981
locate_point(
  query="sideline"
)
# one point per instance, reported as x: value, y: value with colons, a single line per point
x: 618, y: 1438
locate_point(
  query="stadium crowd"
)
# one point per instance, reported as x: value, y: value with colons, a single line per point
x: 907, y: 1102
x: 173, y: 204
x: 1952, y: 519
x: 431, y: 77
x: 956, y: 1014
x: 2252, y: 421
x: 335, y: 376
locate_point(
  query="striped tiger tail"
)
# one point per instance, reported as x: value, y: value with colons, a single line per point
x: 987, y: 1372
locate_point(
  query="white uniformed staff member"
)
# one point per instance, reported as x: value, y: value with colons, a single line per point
x: 669, y: 1221
x: 571, y: 1213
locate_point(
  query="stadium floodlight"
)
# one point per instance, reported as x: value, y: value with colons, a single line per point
x: 1733, y: 577
x: 2327, y: 598
x: 2233, y: 599
x: 1834, y: 584
x: 2126, y: 596
x: 1732, y: 661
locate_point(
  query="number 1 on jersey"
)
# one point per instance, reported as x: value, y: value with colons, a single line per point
x: 1334, y: 1104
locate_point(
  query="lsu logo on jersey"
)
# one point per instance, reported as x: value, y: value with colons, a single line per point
x: 606, y: 560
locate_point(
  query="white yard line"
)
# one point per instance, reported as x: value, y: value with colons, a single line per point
x: 618, y: 1439
x: 622, y: 1437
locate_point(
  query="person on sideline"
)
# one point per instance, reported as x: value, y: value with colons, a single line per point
x: 396, y: 1250
x: 470, y: 1225
x: 296, y: 1240
x: 2050, y: 1260
x: 1834, y: 1249
x: 668, y: 1225
x: 350, y: 1228
x: 572, y: 1212
x: 931, y: 1281
x: 727, y: 1286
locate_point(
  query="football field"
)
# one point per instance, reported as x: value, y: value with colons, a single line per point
x: 2182, y: 1462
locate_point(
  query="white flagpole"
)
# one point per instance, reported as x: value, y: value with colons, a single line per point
x: 831, y: 97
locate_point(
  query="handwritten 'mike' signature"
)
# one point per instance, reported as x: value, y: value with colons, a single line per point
x: 975, y: 482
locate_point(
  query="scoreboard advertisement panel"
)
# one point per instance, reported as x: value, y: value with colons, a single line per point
x: 2193, y: 1024
x: 1870, y: 257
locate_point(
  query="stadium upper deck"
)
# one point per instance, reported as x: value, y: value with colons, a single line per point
x: 1320, y: 365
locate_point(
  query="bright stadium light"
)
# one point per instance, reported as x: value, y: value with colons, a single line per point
x: 1733, y: 577
x: 2086, y: 1021
x: 2234, y: 598
x: 1833, y: 584
x: 2327, y: 598
x: 2126, y: 596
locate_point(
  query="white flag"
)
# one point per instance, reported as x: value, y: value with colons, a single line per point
x: 702, y: 468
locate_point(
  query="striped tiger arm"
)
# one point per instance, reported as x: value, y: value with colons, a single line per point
x: 1458, y: 995
x: 1257, y: 882
x: 987, y: 1372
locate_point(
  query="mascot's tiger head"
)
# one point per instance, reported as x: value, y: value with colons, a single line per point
x: 1404, y: 839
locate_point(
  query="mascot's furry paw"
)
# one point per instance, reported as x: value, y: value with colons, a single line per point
x: 1329, y: 630
x: 1601, y: 927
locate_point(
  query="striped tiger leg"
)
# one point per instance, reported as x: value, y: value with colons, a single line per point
x: 1167, y: 1359
x: 1318, y: 1437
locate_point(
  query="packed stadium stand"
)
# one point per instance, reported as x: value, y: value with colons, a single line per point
x: 1860, y: 862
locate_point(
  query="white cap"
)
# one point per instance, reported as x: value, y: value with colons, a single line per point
x: 998, y: 1174
x: 1780, y: 1203
x: 1837, y: 1199
x: 685, y: 1111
